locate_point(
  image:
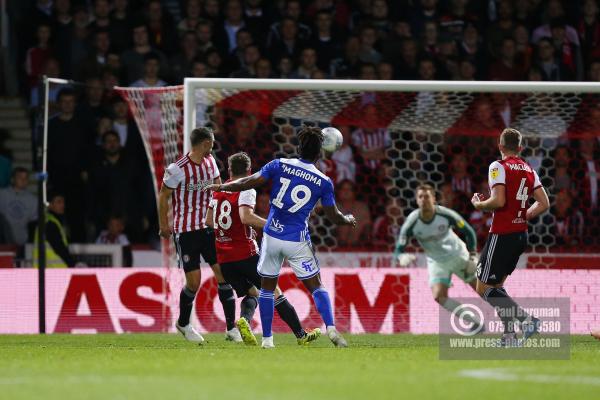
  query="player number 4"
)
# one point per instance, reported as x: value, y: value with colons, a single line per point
x: 522, y: 194
x: 299, y: 202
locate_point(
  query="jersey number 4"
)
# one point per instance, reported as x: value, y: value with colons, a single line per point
x: 299, y: 202
x: 522, y: 192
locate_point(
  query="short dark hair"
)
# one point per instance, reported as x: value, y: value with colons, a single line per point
x: 18, y: 170
x: 110, y: 133
x: 311, y: 139
x: 199, y: 135
x: 511, y: 139
x: 65, y: 92
x: 239, y: 163
x: 426, y: 187
x: 151, y: 56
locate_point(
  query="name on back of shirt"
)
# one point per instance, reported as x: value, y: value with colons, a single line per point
x: 519, y: 167
x: 301, y: 174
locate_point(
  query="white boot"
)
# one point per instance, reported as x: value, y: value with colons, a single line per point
x: 189, y: 333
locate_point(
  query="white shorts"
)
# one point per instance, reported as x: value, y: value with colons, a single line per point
x: 441, y: 272
x: 300, y: 256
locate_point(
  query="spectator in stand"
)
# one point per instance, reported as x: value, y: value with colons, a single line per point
x: 391, y: 46
x: 408, y: 65
x: 288, y: 43
x: 459, y: 175
x: 249, y: 59
x: 385, y: 71
x: 92, y: 108
x: 567, y: 52
x: 161, y: 28
x: 500, y: 29
x: 569, y: 223
x: 133, y: 60
x: 214, y: 63
x: 426, y: 70
x: 212, y: 11
x: 51, y: 70
x: 235, y: 60
x: 192, y: 17
x: 467, y: 70
x: 69, y: 134
x: 370, y: 141
x: 524, y: 50
x: 554, y: 9
x: 101, y: 15
x: 151, y: 74
x: 338, y: 9
x: 368, y: 39
x: 199, y: 68
x: 115, y: 234
x: 589, y: 31
x: 37, y: 56
x: 181, y: 63
x: 345, y: 165
x: 97, y: 58
x: 348, y: 204
x: 120, y: 26
x: 257, y: 19
x: 57, y: 244
x: 348, y: 65
x: 225, y: 33
x: 293, y: 10
x: 308, y: 64
x: 285, y: 67
x: 129, y: 136
x: 263, y: 69
x: 117, y: 187
x: 386, y: 226
x: 471, y: 47
x: 546, y: 61
x: 430, y: 39
x: 426, y: 11
x: 18, y: 205
x: 588, y: 175
x: 204, y: 34
x: 447, y: 58
x: 368, y: 72
x: 506, y: 67
x: 74, y: 50
x: 325, y: 42
x: 561, y: 173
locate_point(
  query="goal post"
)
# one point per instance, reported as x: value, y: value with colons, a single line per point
x: 441, y: 132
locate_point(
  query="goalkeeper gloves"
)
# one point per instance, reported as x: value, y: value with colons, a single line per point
x: 406, y: 259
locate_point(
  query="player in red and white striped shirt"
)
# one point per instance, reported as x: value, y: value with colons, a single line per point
x: 183, y: 183
x: 512, y: 183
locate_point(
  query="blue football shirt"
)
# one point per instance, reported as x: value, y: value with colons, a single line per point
x: 297, y: 187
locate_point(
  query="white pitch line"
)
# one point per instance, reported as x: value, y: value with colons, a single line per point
x: 501, y: 374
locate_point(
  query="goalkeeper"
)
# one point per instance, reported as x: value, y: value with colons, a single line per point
x: 432, y: 225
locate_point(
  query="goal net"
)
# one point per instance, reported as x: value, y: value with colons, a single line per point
x: 397, y: 135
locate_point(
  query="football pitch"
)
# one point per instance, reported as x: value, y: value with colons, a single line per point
x: 154, y: 366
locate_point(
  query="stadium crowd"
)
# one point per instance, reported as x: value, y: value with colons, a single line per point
x: 97, y: 160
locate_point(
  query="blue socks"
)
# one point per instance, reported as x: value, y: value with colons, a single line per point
x: 266, y: 305
x: 321, y: 298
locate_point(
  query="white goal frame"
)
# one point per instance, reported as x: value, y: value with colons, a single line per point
x: 191, y: 84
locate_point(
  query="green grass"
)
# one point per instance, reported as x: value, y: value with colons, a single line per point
x: 374, y: 367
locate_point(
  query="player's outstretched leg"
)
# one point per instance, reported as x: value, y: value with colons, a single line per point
x: 183, y: 325
x: 288, y: 314
x: 248, y: 307
x: 323, y: 304
x: 266, y: 305
x: 440, y: 295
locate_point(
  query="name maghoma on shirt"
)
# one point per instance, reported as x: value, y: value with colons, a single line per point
x: 302, y: 174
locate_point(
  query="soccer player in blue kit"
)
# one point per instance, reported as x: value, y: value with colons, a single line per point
x: 297, y: 187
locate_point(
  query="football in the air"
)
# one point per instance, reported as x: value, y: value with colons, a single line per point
x: 332, y: 139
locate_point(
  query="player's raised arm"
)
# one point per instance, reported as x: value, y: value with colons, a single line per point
x: 497, y: 182
x: 248, y: 217
x: 239, y: 185
x: 171, y: 180
x: 403, y: 238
